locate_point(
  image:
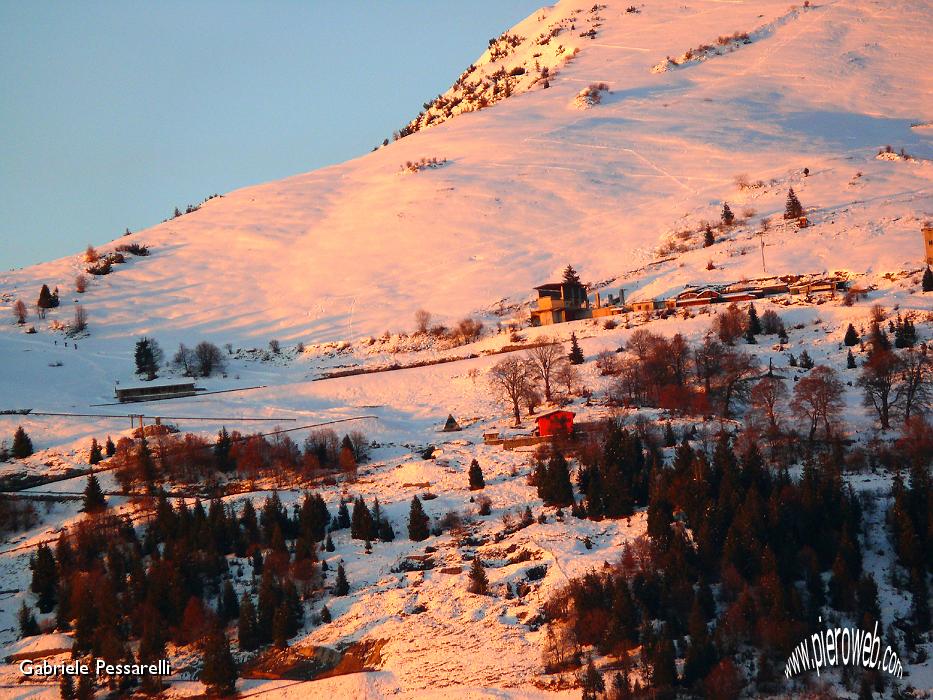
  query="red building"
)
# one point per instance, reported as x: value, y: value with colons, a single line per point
x: 555, y: 423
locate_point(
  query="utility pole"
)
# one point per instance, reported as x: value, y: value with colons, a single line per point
x: 761, y: 238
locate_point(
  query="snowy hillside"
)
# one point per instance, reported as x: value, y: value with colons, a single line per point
x: 534, y: 182
x: 605, y: 136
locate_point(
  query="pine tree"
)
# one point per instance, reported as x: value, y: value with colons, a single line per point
x: 148, y: 357
x: 850, y: 360
x: 928, y: 280
x: 571, y: 276
x: 728, y: 218
x: 109, y: 448
x: 361, y: 523
x: 96, y: 455
x: 222, y: 451
x: 325, y: 615
x: 46, y: 299
x: 479, y: 584
x: 329, y: 543
x: 247, y: 626
x: 558, y: 490
x: 22, y: 445
x: 592, y: 681
x: 94, y: 499
x: 27, y: 622
x: 754, y: 323
x: 219, y: 673
x: 806, y: 362
x: 280, y: 625
x: 708, y: 237
x: 792, y: 209
x: 417, y: 521
x: 343, y: 517
x: 151, y: 649
x: 66, y: 687
x: 476, y: 477
x: 85, y: 689
x: 576, y: 354
x: 229, y: 607
x: 386, y: 533
x: 341, y: 585
x: 44, y: 578
x: 852, y: 337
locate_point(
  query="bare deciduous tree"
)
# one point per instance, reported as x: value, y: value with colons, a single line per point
x: 81, y: 284
x: 80, y: 319
x: 19, y: 311
x: 877, y: 381
x: 913, y: 389
x: 511, y: 379
x: 730, y: 323
x: 818, y: 399
x: 422, y: 320
x: 209, y: 358
x: 544, y: 359
x: 731, y: 383
x: 184, y: 360
x: 766, y: 398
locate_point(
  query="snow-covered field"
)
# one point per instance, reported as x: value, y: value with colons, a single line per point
x: 338, y: 257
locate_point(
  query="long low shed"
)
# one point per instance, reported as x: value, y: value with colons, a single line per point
x: 153, y: 392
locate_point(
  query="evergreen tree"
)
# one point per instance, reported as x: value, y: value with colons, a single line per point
x: 219, y: 673
x: 592, y: 681
x: 341, y: 585
x: 571, y: 276
x: 22, y: 445
x: 85, y: 689
x: 151, y: 649
x: 229, y: 606
x: 46, y: 299
x: 247, y: 626
x: 94, y: 499
x: 361, y: 524
x: 556, y: 489
x: 851, y: 337
x: 928, y: 280
x: 479, y: 584
x: 476, y: 476
x: 325, y: 615
x: 109, y: 448
x: 96, y: 455
x: 222, y: 451
x: 754, y: 323
x: 663, y: 670
x: 708, y: 237
x: 576, y: 354
x: 805, y: 360
x: 27, y: 622
x: 728, y: 218
x: 148, y: 357
x: 386, y: 533
x: 417, y: 521
x: 66, y: 687
x: 280, y: 626
x: 343, y: 517
x: 850, y: 360
x: 792, y: 209
x: 44, y: 578
x: 329, y: 543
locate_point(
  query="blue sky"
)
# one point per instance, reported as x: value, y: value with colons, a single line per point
x: 114, y: 113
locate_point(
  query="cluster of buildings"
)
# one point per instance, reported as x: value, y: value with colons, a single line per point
x: 559, y: 302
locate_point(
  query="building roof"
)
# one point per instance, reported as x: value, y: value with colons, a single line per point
x: 555, y: 411
x: 157, y: 384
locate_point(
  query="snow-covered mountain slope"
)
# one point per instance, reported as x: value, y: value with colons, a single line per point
x: 543, y: 179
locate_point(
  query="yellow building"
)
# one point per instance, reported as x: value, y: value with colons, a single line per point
x: 928, y: 243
